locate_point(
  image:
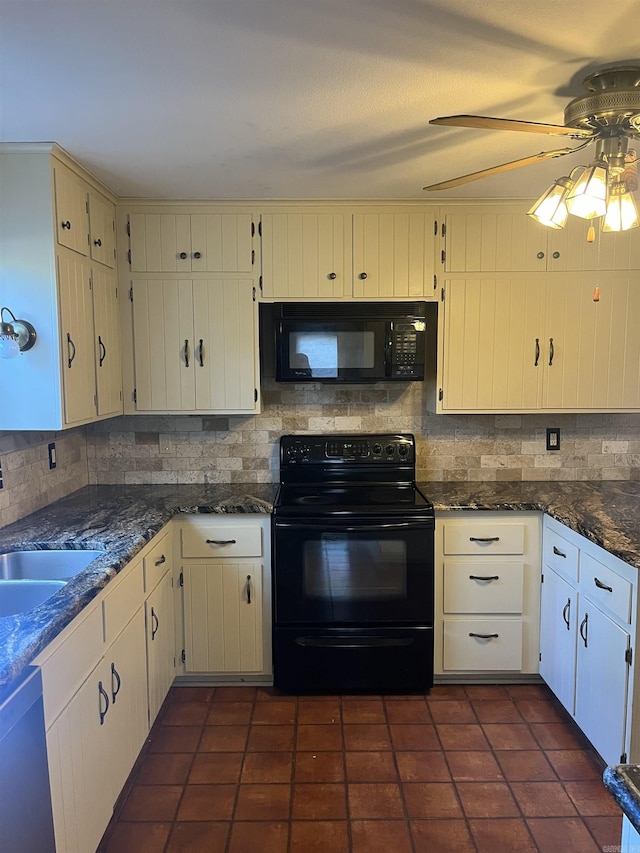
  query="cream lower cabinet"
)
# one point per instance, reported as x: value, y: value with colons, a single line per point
x: 587, y: 630
x: 526, y: 344
x: 159, y: 621
x: 487, y: 577
x: 195, y: 346
x: 225, y: 579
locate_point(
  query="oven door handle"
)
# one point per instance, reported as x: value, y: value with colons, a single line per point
x: 348, y: 643
x: 332, y: 527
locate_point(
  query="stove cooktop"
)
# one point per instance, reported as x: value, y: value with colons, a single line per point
x: 314, y: 499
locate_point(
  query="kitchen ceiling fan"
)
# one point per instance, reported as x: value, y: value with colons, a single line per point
x: 609, y: 115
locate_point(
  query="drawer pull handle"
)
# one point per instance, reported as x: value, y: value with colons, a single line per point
x: 102, y: 694
x: 584, y: 624
x: 484, y: 636
x: 155, y: 624
x: 115, y: 676
x: 558, y: 553
x: 162, y: 560
x: 221, y: 541
x: 601, y: 585
x: 484, y: 539
x: 566, y: 610
x: 248, y: 589
x: 482, y: 578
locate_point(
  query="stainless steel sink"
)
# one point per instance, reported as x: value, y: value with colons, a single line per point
x: 48, y: 565
x: 16, y: 596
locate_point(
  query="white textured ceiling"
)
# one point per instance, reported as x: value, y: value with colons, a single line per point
x: 301, y: 98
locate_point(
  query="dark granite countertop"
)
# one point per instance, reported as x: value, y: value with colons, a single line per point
x: 121, y: 519
x: 623, y: 781
x: 117, y: 519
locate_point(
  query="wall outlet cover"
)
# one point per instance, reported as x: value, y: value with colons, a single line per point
x: 553, y: 438
x: 52, y: 455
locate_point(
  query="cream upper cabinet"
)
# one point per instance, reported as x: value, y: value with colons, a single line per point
x: 72, y: 210
x: 306, y: 255
x: 333, y: 254
x: 504, y: 239
x: 394, y: 255
x: 191, y: 242
x: 102, y: 229
x: 108, y: 355
x: 525, y: 344
x: 195, y: 345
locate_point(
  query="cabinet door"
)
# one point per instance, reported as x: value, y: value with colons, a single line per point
x: 492, y: 359
x: 602, y: 676
x: 102, y: 234
x: 222, y: 242
x: 225, y: 346
x: 558, y: 620
x: 160, y: 643
x: 499, y: 239
x: 72, y: 217
x: 77, y: 338
x: 106, y: 320
x: 569, y: 249
x: 160, y: 242
x: 306, y: 255
x: 394, y: 255
x: 163, y: 345
x: 591, y: 353
x: 223, y: 617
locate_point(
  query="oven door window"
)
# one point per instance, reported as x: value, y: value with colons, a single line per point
x: 353, y: 577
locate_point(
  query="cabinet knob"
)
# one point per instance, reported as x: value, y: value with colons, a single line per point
x: 183, y: 256
x: 97, y: 242
x: 540, y: 255
x: 332, y: 276
x: 556, y: 255
x: 197, y: 255
x: 362, y: 275
x: 66, y: 224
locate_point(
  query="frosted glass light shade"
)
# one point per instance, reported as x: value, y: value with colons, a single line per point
x: 622, y: 213
x: 588, y: 198
x: 9, y: 346
x: 551, y: 209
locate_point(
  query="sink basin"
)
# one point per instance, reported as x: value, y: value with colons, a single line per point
x: 53, y: 565
x: 16, y: 596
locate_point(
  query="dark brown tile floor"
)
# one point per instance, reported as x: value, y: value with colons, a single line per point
x: 467, y: 768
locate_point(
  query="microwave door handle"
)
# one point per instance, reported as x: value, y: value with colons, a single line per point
x: 388, y: 349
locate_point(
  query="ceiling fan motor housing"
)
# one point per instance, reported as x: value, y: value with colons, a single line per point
x: 612, y: 107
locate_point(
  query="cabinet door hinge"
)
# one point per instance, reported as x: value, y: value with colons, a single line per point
x: 90, y: 282
x: 540, y: 656
x: 623, y: 758
x: 435, y: 282
x: 184, y: 656
x: 253, y: 291
x: 442, y: 294
x: 255, y: 395
x: 628, y: 656
x: 131, y: 293
x: 443, y: 255
x: 440, y: 394
x: 541, y: 578
x: 260, y: 228
x: 444, y: 229
x: 253, y: 257
x: 181, y: 579
x: 253, y: 229
x: 86, y: 205
x: 95, y: 400
x: 129, y: 256
x: 260, y: 283
x: 135, y: 395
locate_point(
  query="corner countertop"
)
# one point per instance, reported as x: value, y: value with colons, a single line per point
x: 118, y: 520
x: 623, y: 781
x: 121, y: 519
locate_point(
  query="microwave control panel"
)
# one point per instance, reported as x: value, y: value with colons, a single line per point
x: 407, y: 347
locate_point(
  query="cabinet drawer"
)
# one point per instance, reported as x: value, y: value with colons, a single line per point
x: 64, y: 670
x: 605, y: 588
x: 464, y: 652
x: 123, y: 601
x: 491, y: 587
x: 483, y: 537
x: 157, y: 563
x: 560, y: 555
x: 221, y: 541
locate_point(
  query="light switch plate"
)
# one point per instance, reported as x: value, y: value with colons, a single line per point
x: 165, y: 445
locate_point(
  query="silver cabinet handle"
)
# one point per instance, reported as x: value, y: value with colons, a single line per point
x: 221, y: 541
x: 248, y: 589
x: 566, y: 611
x: 484, y: 539
x: 484, y: 578
x: 601, y: 585
x: 484, y: 636
x: 558, y: 553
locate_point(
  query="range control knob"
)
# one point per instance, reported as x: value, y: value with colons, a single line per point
x: 377, y: 449
x: 390, y: 449
x: 403, y: 449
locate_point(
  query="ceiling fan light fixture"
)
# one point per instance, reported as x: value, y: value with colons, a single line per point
x: 551, y: 209
x: 622, y: 212
x: 588, y: 198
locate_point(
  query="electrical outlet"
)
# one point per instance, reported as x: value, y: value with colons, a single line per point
x: 553, y: 438
x: 164, y: 444
x: 52, y: 455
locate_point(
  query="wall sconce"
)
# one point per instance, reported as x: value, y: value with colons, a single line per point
x: 15, y: 337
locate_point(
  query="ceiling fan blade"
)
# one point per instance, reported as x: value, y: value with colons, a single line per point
x: 496, y: 170
x: 488, y: 123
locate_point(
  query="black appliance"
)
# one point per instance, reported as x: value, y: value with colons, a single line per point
x: 346, y: 341
x: 353, y: 566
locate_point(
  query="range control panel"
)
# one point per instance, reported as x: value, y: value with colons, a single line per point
x: 347, y: 449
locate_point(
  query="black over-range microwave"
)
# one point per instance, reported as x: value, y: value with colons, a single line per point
x: 345, y: 341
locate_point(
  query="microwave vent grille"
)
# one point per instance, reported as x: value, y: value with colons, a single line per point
x: 346, y: 310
